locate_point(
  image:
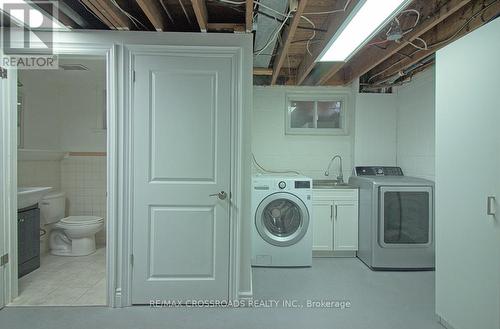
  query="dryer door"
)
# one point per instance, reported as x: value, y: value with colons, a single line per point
x: 282, y: 219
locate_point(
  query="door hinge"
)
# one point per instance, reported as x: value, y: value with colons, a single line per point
x: 3, y: 73
x: 133, y: 76
x: 132, y: 260
x: 4, y: 259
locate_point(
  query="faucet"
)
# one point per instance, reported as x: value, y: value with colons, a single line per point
x: 340, y: 177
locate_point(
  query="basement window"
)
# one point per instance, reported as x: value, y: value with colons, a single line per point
x: 316, y: 115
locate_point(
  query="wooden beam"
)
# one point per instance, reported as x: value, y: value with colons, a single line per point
x: 443, y: 31
x: 262, y: 71
x: 110, y: 14
x: 371, y: 57
x: 97, y: 11
x: 153, y: 11
x: 235, y: 27
x: 249, y: 15
x: 200, y: 10
x: 309, y: 61
x: 287, y: 40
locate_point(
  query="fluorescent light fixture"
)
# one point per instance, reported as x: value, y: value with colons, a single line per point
x: 37, y: 18
x: 366, y: 20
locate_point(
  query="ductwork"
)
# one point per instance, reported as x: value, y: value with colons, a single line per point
x: 266, y: 28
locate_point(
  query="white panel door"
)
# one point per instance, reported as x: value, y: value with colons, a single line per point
x: 345, y: 227
x: 322, y: 225
x: 467, y: 173
x: 181, y: 156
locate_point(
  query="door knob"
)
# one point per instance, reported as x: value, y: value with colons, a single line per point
x: 222, y: 195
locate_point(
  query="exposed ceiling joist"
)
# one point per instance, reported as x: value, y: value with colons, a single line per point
x: 234, y: 27
x: 249, y: 15
x: 374, y: 56
x: 473, y: 18
x: 262, y: 71
x: 336, y: 21
x: 200, y: 10
x: 115, y: 15
x: 370, y: 57
x: 97, y: 11
x: 154, y: 13
x: 287, y: 41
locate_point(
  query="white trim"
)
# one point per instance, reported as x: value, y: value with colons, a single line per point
x: 343, y: 97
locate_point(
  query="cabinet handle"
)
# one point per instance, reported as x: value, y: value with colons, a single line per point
x: 491, y: 206
x: 336, y: 212
x: 331, y: 212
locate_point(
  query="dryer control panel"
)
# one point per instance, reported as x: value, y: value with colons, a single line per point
x: 378, y: 171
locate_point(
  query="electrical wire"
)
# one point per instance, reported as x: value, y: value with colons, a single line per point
x: 453, y: 36
x: 275, y: 35
x: 272, y: 171
x: 134, y: 20
x: 331, y: 11
x: 90, y: 11
x: 185, y: 12
x: 425, y: 47
x: 162, y: 2
x: 313, y: 35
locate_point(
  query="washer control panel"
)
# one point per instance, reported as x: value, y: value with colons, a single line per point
x: 378, y: 171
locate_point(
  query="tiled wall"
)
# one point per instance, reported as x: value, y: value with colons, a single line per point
x: 415, y: 126
x: 39, y: 173
x: 83, y: 179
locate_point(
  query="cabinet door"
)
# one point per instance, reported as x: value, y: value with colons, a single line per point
x: 345, y: 226
x: 322, y: 225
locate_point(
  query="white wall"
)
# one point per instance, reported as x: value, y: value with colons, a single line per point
x: 416, y: 126
x: 375, y: 137
x: 307, y: 154
x: 63, y: 110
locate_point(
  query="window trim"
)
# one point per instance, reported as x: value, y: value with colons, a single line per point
x: 315, y: 97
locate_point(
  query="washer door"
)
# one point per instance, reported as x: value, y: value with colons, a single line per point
x: 282, y: 219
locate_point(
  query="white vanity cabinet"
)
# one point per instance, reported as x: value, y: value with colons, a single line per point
x: 335, y: 222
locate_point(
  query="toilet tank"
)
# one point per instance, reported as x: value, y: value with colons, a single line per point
x: 52, y: 208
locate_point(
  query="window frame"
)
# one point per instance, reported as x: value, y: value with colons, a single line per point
x: 315, y: 97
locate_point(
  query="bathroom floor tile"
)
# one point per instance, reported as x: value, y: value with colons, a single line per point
x: 65, y: 281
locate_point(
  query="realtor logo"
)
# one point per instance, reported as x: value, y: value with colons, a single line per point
x: 27, y: 36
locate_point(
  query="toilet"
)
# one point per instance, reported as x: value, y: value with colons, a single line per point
x: 69, y: 236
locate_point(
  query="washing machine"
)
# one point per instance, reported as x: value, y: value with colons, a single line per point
x: 396, y: 219
x: 282, y: 226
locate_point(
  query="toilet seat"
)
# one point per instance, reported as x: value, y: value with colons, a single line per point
x: 81, y: 220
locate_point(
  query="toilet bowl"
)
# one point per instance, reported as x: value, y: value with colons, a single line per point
x: 69, y: 236
x: 75, y: 235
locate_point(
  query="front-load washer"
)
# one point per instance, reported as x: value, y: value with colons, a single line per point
x: 396, y: 219
x: 281, y: 230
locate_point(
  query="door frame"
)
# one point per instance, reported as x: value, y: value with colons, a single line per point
x: 118, y: 47
x: 10, y: 167
x: 236, y: 177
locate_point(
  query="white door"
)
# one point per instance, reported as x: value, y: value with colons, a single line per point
x: 181, y: 156
x: 345, y: 227
x: 467, y: 173
x: 322, y: 224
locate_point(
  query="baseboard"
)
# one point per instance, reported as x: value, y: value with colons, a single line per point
x: 444, y: 323
x: 333, y: 254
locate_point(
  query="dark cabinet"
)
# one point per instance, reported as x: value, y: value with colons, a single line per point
x: 28, y: 240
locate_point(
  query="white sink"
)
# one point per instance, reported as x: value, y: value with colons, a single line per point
x: 28, y: 196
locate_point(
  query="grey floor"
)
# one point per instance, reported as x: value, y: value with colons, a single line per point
x: 379, y: 300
